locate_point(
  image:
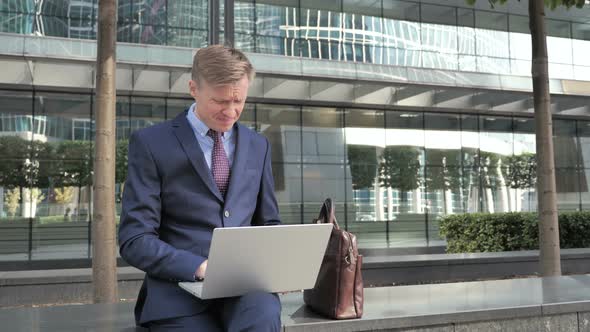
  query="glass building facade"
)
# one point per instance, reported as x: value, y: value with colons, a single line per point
x: 394, y: 157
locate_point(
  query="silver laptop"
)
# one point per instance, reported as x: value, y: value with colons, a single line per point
x: 262, y: 258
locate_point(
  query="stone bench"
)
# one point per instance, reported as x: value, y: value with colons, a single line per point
x: 527, y: 304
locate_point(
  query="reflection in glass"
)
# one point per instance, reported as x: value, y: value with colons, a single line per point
x: 281, y: 125
x: 369, y: 206
x: 319, y: 182
x: 568, y: 189
x: 323, y: 135
x: 565, y: 145
x: 287, y: 179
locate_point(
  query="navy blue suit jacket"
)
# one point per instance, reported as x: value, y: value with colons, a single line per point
x: 171, y: 205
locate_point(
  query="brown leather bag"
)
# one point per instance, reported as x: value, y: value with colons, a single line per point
x: 338, y: 292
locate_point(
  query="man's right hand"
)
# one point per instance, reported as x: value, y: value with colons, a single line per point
x: 200, y: 273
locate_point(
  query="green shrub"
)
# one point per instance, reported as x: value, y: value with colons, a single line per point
x: 488, y: 232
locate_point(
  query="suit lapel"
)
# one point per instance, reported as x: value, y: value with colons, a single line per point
x: 240, y: 158
x: 186, y: 136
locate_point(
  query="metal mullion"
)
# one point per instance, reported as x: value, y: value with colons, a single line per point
x: 213, y: 32
x: 228, y: 25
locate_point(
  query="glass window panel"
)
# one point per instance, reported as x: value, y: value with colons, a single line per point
x: 581, y: 48
x: 244, y: 17
x: 148, y: 34
x: 439, y: 60
x: 53, y: 25
x: 365, y: 139
x: 82, y: 29
x: 520, y: 46
x: 581, y: 31
x: 187, y: 38
x: 470, y: 140
x: 287, y: 179
x: 146, y: 112
x: 401, y: 34
x: 442, y: 137
x: 557, y: 70
x: 559, y: 50
x: 281, y: 124
x: 332, y: 5
x: 362, y: 7
x: 491, y: 20
x: 403, y: 10
x: 192, y: 14
x: 53, y: 8
x: 496, y: 145
x: 404, y: 128
x: 521, y: 171
x: 176, y: 106
x: 409, y: 205
x: 443, y: 192
x: 492, y: 43
x: 493, y: 65
x: 565, y: 147
x: 495, y: 187
x: 519, y: 24
x: 319, y: 182
x: 568, y: 189
x: 524, y: 136
x: 123, y: 122
x: 275, y: 20
x: 585, y: 188
x: 279, y: 45
x: 583, y: 128
x: 16, y: 124
x: 14, y: 242
x: 466, y: 40
x: 323, y: 135
x: 16, y: 23
x: 465, y: 17
x: 17, y: 6
x: 556, y: 28
x: 62, y: 117
x: 467, y: 63
x: 472, y: 194
x: 439, y: 14
x: 439, y: 38
x: 61, y: 204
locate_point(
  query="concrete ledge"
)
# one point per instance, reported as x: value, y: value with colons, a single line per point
x: 415, y: 269
x: 555, y: 304
x: 19, y: 288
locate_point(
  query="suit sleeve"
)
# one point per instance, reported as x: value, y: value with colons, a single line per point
x: 139, y: 239
x: 267, y: 210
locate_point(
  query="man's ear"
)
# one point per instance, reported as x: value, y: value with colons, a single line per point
x: 193, y: 88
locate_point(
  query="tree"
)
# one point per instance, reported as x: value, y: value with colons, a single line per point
x: 445, y: 176
x: 400, y: 169
x: 549, y: 256
x: 363, y: 165
x: 104, y: 262
x: 121, y: 165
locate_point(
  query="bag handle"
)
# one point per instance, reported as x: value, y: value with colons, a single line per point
x: 327, y: 214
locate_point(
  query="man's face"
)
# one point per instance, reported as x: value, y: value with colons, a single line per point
x: 219, y: 107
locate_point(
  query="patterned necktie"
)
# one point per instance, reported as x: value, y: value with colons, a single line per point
x: 219, y: 162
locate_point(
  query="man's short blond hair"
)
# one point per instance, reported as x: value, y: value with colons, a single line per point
x: 219, y: 65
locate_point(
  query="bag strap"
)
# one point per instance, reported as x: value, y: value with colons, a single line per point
x: 327, y: 214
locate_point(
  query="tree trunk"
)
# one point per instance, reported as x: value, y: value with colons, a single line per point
x: 104, y: 262
x: 549, y: 258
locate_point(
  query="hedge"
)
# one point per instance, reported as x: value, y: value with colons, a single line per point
x: 488, y: 232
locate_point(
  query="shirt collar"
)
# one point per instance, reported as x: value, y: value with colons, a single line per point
x: 199, y: 126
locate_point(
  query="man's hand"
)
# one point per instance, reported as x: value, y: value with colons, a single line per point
x: 200, y: 273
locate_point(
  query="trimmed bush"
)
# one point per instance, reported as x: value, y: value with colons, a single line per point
x: 489, y: 232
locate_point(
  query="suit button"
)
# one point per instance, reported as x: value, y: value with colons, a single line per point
x: 226, y: 213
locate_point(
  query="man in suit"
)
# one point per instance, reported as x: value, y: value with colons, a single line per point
x: 187, y: 176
